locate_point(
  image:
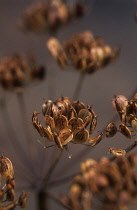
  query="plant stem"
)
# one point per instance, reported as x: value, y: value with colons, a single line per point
x: 78, y: 86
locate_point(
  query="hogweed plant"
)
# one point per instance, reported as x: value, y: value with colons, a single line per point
x: 8, y: 199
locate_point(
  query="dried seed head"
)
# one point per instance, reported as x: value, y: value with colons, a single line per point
x: 6, y: 167
x: 125, y: 130
x: 22, y: 200
x: 111, y: 130
x: 80, y: 135
x: 117, y: 152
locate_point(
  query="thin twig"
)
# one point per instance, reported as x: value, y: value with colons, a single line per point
x: 79, y: 86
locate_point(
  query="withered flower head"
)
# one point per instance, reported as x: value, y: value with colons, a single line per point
x: 50, y: 15
x: 85, y: 52
x: 16, y: 71
x: 66, y: 121
x: 115, y: 182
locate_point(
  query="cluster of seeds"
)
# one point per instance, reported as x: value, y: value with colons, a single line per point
x: 104, y: 184
x: 66, y: 121
x: 127, y: 110
x: 51, y: 15
x: 16, y: 71
x: 85, y: 52
x: 7, y: 192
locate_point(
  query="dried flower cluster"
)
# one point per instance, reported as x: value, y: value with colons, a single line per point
x: 104, y: 184
x: 16, y: 71
x: 51, y: 15
x: 85, y: 52
x: 7, y: 192
x: 66, y: 121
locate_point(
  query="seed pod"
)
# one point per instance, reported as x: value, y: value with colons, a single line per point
x: 48, y: 134
x: 61, y: 122
x: 119, y: 103
x: 35, y: 119
x: 58, y: 141
x: 10, y: 194
x: 80, y: 135
x: 61, y: 108
x: 6, y: 167
x: 78, y: 106
x: 65, y: 136
x: 40, y: 129
x: 10, y: 181
x: 93, y: 124
x: 75, y: 123
x: 129, y: 108
x: 47, y: 108
x: 130, y: 118
x: 134, y: 125
x: 85, y: 115
x: 125, y: 131
x: 111, y: 130
x: 22, y: 200
x: 117, y: 152
x: 87, y: 165
x: 2, y: 192
x: 71, y: 112
x: 95, y: 140
x: 49, y: 122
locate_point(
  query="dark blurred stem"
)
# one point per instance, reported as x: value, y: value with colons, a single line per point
x: 52, y: 167
x: 42, y: 197
x: 79, y: 86
x: 23, y: 112
x: 13, y: 139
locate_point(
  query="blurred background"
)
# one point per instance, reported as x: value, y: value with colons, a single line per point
x: 114, y: 22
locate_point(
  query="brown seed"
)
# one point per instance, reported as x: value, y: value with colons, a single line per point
x: 93, y: 124
x: 48, y: 134
x: 78, y: 106
x: 22, y: 200
x: 80, y: 135
x: 61, y: 122
x: 117, y: 152
x: 65, y: 136
x: 85, y: 115
x: 58, y: 141
x: 111, y: 130
x: 10, y: 194
x: 134, y: 125
x: 95, y: 140
x: 125, y: 130
x: 49, y: 122
x: 47, y: 108
x: 75, y: 123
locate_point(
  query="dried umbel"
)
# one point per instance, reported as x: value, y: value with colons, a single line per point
x: 51, y: 15
x: 17, y: 70
x: 7, y: 192
x: 85, y: 52
x: 67, y: 122
x: 114, y: 184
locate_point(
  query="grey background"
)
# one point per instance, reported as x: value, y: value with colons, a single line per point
x: 111, y: 19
